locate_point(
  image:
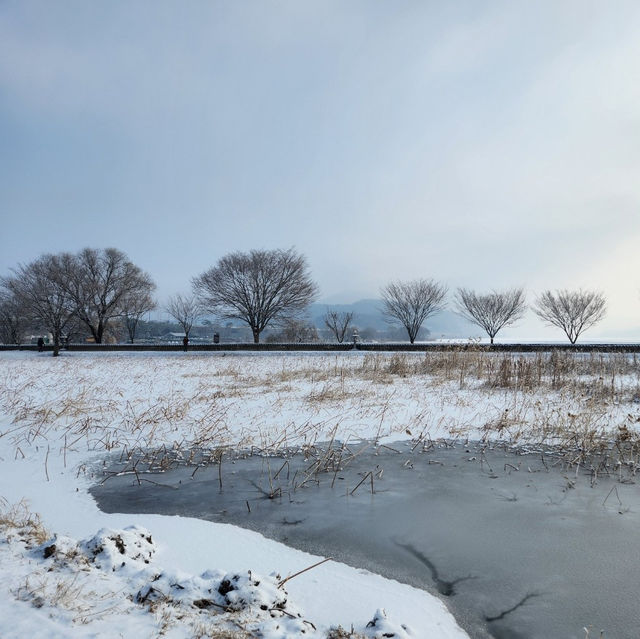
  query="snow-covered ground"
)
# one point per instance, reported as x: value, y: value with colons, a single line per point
x: 184, y: 577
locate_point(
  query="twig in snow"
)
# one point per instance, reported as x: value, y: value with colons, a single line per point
x: 295, y: 574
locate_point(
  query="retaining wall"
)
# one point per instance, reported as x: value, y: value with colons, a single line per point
x: 332, y: 347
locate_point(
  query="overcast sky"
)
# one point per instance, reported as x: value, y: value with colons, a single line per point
x: 485, y: 144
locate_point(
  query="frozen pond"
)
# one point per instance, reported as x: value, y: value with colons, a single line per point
x: 517, y: 545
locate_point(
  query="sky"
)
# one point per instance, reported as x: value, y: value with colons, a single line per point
x: 485, y: 145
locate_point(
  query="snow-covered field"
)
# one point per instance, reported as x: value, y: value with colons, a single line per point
x: 183, y: 577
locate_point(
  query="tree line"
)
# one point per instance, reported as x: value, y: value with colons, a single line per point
x: 93, y: 288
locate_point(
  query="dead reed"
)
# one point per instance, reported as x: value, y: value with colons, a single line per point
x: 163, y: 410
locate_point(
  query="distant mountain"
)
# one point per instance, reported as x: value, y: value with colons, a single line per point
x: 367, y: 314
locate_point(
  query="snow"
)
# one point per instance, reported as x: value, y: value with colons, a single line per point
x: 122, y: 575
x: 60, y: 417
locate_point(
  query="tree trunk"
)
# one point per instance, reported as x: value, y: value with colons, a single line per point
x: 99, y: 333
x: 94, y: 333
x: 132, y: 326
x: 56, y: 345
x: 256, y: 335
x: 491, y: 339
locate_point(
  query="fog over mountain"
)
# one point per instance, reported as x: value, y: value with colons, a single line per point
x: 367, y: 314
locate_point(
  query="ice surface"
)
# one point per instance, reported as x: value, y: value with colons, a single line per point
x: 517, y: 545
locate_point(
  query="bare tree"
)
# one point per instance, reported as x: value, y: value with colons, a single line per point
x: 492, y: 311
x: 258, y: 287
x: 338, y: 323
x: 572, y: 311
x: 13, y: 320
x: 411, y: 303
x: 133, y: 309
x: 39, y: 288
x: 99, y: 282
x: 295, y: 331
x: 75, y: 331
x: 185, y: 309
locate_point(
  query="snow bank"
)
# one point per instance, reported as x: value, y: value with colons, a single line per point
x: 76, y: 588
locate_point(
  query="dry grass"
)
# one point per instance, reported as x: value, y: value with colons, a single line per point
x: 46, y: 589
x: 166, y: 409
x: 336, y: 391
x: 207, y: 631
x: 341, y: 633
x: 18, y: 519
